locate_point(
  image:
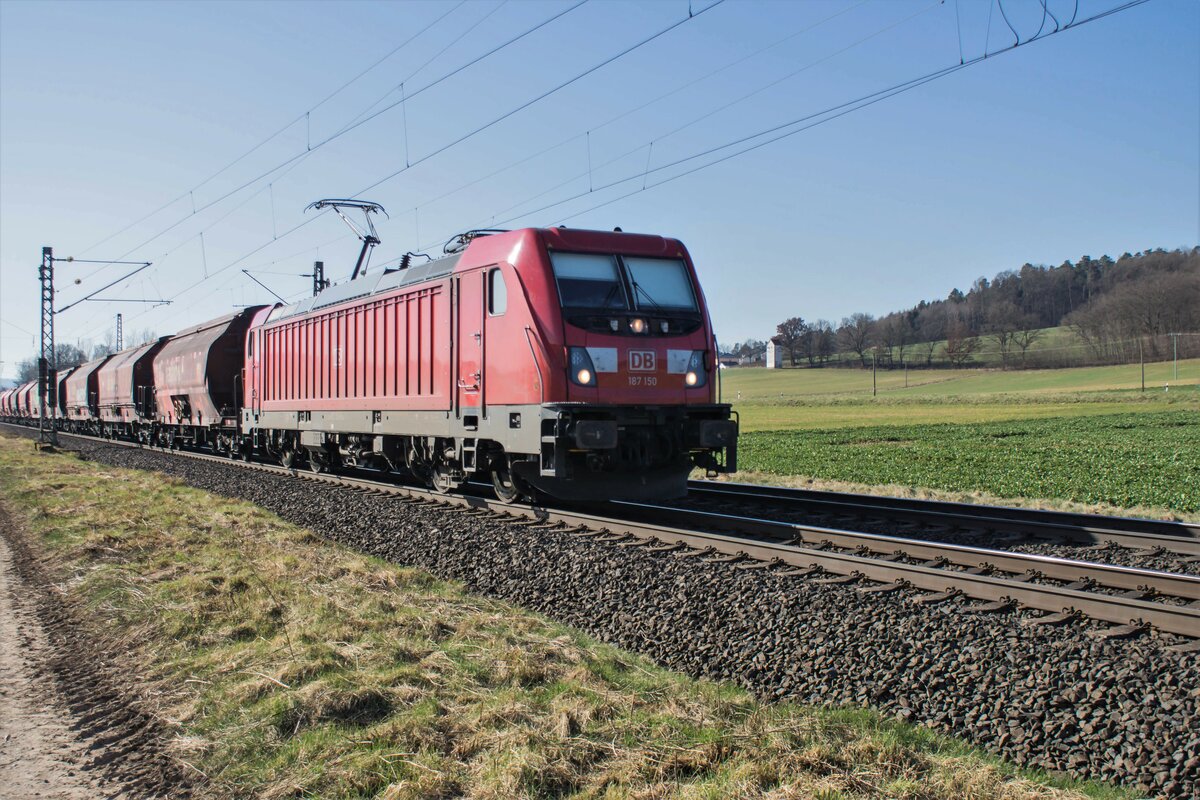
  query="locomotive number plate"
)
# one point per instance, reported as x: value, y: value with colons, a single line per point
x: 643, y: 380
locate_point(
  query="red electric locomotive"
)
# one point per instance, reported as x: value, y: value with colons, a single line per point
x: 578, y: 363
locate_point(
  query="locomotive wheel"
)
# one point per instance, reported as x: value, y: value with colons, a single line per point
x: 287, y: 458
x: 507, y: 489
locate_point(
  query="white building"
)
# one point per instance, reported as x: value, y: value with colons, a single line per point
x: 774, y: 355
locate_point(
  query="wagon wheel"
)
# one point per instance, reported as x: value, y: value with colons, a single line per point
x: 441, y: 481
x: 508, y: 489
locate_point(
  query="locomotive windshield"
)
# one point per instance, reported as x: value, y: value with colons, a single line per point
x: 660, y: 283
x: 613, y: 282
x: 589, y: 281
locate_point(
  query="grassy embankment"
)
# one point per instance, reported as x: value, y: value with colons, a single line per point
x: 1080, y: 438
x: 293, y: 668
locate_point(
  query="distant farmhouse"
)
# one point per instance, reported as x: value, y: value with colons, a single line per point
x: 774, y: 354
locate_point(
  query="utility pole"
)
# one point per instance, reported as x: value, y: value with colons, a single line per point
x: 1142, y: 359
x: 1175, y: 349
x: 48, y: 362
x: 120, y: 335
x: 47, y: 430
x: 874, y: 388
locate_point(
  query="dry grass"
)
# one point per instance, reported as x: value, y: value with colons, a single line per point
x: 294, y: 668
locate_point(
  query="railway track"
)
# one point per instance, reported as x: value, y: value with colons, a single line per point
x: 1058, y: 526
x: 1132, y: 600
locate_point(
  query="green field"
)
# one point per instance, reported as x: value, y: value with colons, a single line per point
x: 1086, y: 435
x: 1124, y: 460
x: 786, y: 399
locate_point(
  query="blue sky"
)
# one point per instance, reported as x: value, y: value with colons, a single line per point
x: 1087, y: 142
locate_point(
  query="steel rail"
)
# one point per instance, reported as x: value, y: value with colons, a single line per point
x: 1117, y: 609
x: 1036, y: 565
x: 1178, y: 537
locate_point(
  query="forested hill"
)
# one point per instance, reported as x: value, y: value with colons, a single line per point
x: 1148, y: 293
x: 1107, y: 303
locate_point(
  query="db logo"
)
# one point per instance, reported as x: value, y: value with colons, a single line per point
x: 641, y: 361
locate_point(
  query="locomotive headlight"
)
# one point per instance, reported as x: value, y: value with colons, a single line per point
x: 580, y: 368
x: 696, y: 375
x: 637, y: 325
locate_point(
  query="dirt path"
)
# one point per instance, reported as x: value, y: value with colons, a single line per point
x: 72, y: 721
x: 39, y: 754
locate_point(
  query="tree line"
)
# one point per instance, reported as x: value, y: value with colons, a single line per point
x: 72, y: 355
x: 1112, y: 306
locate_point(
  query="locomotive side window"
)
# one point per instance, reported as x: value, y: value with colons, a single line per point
x: 660, y: 283
x: 589, y: 281
x: 497, y: 293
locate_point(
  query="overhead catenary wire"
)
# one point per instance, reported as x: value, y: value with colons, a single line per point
x: 875, y: 98
x: 358, y: 122
x: 543, y: 95
x: 305, y: 116
x: 540, y: 97
x: 792, y: 127
x: 641, y: 106
x: 742, y: 98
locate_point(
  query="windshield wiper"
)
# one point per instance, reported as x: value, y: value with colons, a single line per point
x: 637, y: 287
x: 612, y: 295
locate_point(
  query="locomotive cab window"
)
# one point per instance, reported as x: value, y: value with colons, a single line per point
x: 660, y: 283
x: 589, y: 281
x: 497, y: 293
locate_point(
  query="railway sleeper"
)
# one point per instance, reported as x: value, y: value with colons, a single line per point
x: 991, y: 607
x: 937, y: 597
x: 882, y: 588
x: 1055, y: 619
x: 1120, y: 631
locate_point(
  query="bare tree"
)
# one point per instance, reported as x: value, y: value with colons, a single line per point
x: 826, y: 340
x: 856, y: 333
x: 1024, y: 339
x: 65, y: 357
x: 791, y: 335
x: 894, y: 335
x: 1003, y: 321
x: 961, y: 344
